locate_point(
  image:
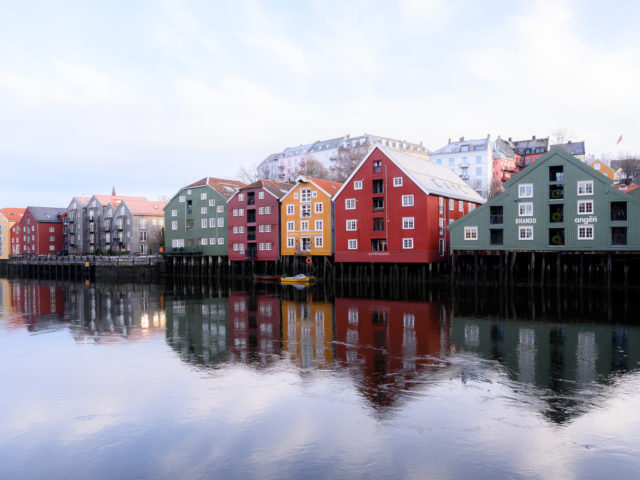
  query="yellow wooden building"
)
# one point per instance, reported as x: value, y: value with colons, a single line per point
x: 306, y: 217
x: 8, y: 218
x: 603, y: 168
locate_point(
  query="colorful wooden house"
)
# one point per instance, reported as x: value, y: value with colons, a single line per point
x: 254, y: 221
x: 15, y: 237
x: 307, y: 217
x: 8, y: 218
x: 603, y: 168
x: 196, y: 217
x: 556, y: 204
x: 41, y: 230
x: 395, y: 206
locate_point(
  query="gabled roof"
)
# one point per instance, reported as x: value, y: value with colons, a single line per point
x: 433, y: 179
x: 113, y: 200
x: 455, y: 147
x: 224, y: 187
x: 145, y: 207
x: 46, y: 214
x: 520, y: 146
x: 277, y: 189
x: 81, y: 201
x: 13, y: 214
x: 328, y: 187
x: 574, y: 148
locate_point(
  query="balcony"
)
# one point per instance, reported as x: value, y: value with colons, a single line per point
x: 186, y: 250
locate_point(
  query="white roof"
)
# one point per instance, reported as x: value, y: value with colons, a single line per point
x: 432, y: 178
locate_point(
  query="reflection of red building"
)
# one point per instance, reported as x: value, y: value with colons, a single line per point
x: 39, y: 303
x: 254, y: 325
x: 390, y: 341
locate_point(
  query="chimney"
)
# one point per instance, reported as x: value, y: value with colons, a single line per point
x: 533, y: 137
x: 509, y: 138
x: 569, y: 141
x: 449, y: 141
x: 488, y: 135
x: 462, y: 139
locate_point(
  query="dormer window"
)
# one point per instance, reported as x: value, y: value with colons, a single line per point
x: 464, y: 148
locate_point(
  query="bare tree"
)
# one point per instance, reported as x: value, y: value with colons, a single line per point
x: 248, y: 173
x: 155, y: 240
x: 309, y: 167
x: 559, y: 135
x: 348, y: 159
x: 630, y: 165
x: 495, y: 189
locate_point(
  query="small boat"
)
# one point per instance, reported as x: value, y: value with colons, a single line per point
x: 267, y: 278
x: 299, y: 279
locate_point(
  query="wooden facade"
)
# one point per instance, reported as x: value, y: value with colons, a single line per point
x: 41, y: 231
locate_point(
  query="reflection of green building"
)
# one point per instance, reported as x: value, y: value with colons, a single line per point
x: 198, y: 329
x: 561, y: 361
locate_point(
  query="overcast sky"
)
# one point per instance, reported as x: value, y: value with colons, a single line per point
x: 149, y: 96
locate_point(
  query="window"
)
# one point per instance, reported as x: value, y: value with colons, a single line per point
x: 556, y: 173
x: 291, y: 226
x: 235, y: 230
x: 471, y: 233
x: 53, y: 238
x: 471, y: 207
x: 451, y: 162
x: 525, y: 233
x: 305, y: 210
x: 212, y: 202
x: 235, y: 212
x: 267, y: 228
x: 260, y: 195
x: 305, y: 195
x: 174, y: 213
x: 378, y: 224
x: 203, y: 210
x: 407, y: 200
x: 220, y: 241
x: 377, y: 166
x: 556, y: 213
x: 319, y: 242
x: 525, y: 209
x: 407, y: 223
x: 407, y: 243
x: 203, y: 223
x: 291, y: 242
x: 261, y: 228
x: 556, y: 192
x: 181, y: 198
x: 525, y: 190
x: 261, y: 211
x: 318, y: 207
x: 378, y: 186
x: 220, y: 209
x: 212, y: 222
x: 478, y: 159
x: 585, y: 232
x: 267, y: 210
x: 556, y: 236
x: 618, y: 235
x: 451, y: 204
x: 221, y: 221
x: 318, y: 225
x: 618, y: 211
x: 51, y: 229
x: 52, y: 248
x: 357, y: 184
x: 441, y: 226
x: 291, y: 209
x: 352, y: 225
x: 304, y: 225
x: 212, y: 241
x: 378, y: 204
x: 174, y: 225
x: 478, y: 170
x: 241, y: 197
x: 353, y: 244
x: 397, y: 181
x: 460, y: 206
x: 585, y: 207
x: 585, y: 187
x: 204, y: 241
x: 379, y: 245
x: 350, y: 203
x: 440, y: 205
x: 203, y: 196
x: 464, y: 148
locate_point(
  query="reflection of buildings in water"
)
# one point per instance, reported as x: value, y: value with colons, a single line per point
x: 307, y: 333
x: 198, y: 329
x: 390, y: 343
x: 108, y: 313
x: 41, y: 305
x: 562, y: 358
x: 254, y: 326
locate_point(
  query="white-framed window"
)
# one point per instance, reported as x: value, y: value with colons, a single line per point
x: 212, y: 241
x: 357, y: 184
x: 318, y: 207
x: 204, y: 241
x: 261, y: 228
x: 267, y: 228
x: 203, y: 210
x: 397, y: 181
x: 188, y: 192
x: 174, y: 213
x: 177, y: 242
x: 241, y: 212
x: 460, y: 206
x: 352, y: 225
x: 234, y: 212
x: 220, y: 240
x: 182, y: 198
x: 305, y: 194
x: 471, y: 207
x: 241, y: 229
x: 291, y: 242
x: 304, y: 225
x: 585, y: 187
x: 235, y: 229
x: 585, y: 207
x: 261, y: 246
x: 350, y: 203
x: 52, y: 248
x: 451, y: 204
x: 268, y: 246
x: 261, y: 211
x: 525, y: 233
x: 220, y: 209
x: 407, y: 200
x: 174, y: 225
x: 318, y: 226
x: 236, y: 247
x: 525, y: 209
x: 291, y: 226
x: 52, y: 238
x: 203, y: 223
x: 267, y: 210
x: 291, y: 209
x: 318, y: 242
x: 212, y: 202
x: 471, y: 233
x: 407, y: 243
x: 260, y: 195
x: 408, y: 223
x: 212, y: 222
x: 314, y: 194
x: 353, y: 244
x: 305, y: 210
x: 203, y: 196
x: 525, y: 190
x: 221, y: 221
x: 241, y: 197
x: 585, y: 232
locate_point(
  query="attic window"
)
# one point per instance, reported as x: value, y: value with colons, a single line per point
x: 464, y: 148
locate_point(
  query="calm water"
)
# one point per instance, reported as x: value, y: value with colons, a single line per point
x: 149, y: 381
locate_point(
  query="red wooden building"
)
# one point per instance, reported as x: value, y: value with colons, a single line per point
x: 16, y: 239
x: 41, y: 230
x: 395, y: 206
x: 254, y: 221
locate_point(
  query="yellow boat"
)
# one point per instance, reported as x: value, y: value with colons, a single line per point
x: 299, y: 279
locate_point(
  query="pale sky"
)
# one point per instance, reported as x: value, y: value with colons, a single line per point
x: 149, y: 96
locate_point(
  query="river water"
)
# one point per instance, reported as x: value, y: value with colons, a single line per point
x: 212, y: 381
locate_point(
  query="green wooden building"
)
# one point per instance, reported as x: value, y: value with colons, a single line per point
x: 196, y: 217
x: 557, y: 203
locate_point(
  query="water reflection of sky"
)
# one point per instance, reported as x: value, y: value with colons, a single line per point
x: 281, y: 405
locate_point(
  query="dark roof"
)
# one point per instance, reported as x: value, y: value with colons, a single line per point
x: 574, y: 148
x: 519, y: 146
x: 279, y: 189
x: 46, y: 214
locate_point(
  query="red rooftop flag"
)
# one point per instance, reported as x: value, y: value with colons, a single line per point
x: 619, y: 139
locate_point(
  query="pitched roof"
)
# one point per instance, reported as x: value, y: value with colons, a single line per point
x: 328, y: 186
x: 46, y: 214
x: 114, y: 200
x: 81, y: 201
x: 224, y: 187
x: 145, y: 207
x: 13, y: 214
x: 520, y: 146
x: 278, y: 189
x: 574, y: 148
